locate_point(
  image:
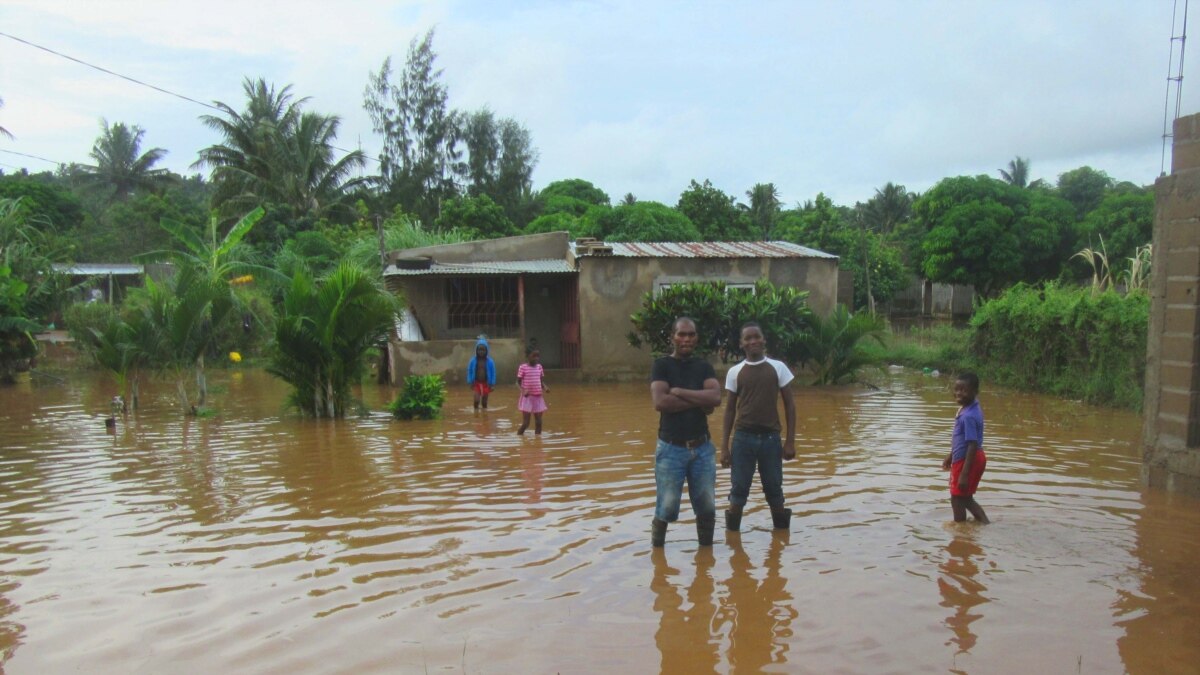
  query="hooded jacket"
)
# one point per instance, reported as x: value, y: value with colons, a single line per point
x: 491, y: 365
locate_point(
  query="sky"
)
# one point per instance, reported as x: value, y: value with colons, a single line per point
x: 832, y: 96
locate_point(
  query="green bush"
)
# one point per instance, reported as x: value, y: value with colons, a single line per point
x: 719, y: 313
x: 422, y: 398
x: 84, y: 319
x: 1065, y: 341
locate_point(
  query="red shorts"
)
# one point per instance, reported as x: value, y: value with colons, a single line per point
x: 481, y: 388
x: 977, y: 468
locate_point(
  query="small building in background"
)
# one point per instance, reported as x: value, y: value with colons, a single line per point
x: 572, y: 299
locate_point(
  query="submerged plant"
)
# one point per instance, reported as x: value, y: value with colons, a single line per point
x: 834, y: 344
x: 323, y: 334
x: 422, y: 398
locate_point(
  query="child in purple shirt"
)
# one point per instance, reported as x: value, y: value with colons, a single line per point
x: 966, y: 460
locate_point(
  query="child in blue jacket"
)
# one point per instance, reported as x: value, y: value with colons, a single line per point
x: 481, y: 373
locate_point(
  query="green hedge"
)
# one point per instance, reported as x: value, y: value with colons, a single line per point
x: 1065, y: 341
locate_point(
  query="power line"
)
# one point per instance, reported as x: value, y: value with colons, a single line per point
x: 14, y: 152
x: 137, y: 82
x: 110, y: 72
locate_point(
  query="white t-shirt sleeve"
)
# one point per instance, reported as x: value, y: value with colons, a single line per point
x: 731, y: 377
x: 785, y: 375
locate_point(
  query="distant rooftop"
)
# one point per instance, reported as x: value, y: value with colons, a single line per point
x: 98, y: 269
x: 702, y: 249
x: 489, y: 267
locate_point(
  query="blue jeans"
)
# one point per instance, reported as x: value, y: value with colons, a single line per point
x: 765, y: 451
x: 673, y: 464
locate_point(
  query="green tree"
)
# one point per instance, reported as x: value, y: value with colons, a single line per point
x: 121, y: 168
x: 985, y: 232
x: 888, y: 208
x: 275, y: 152
x: 44, y: 200
x: 577, y: 189
x: 645, y: 221
x: 783, y: 313
x: 1084, y: 188
x: 1017, y: 174
x: 714, y: 213
x: 419, y: 130
x: 28, y: 250
x: 816, y: 224
x: 323, y: 334
x: 835, y: 344
x: 479, y: 217
x: 17, y: 345
x: 202, y: 296
x: 561, y: 221
x: 1124, y: 220
x: 500, y: 160
x: 764, y: 208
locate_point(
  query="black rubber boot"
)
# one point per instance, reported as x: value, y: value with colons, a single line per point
x: 733, y: 521
x: 658, y: 532
x: 782, y: 518
x: 704, y: 528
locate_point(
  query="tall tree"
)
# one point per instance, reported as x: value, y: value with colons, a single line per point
x: 420, y: 132
x: 1017, y: 173
x: 499, y: 159
x: 121, y: 168
x: 890, y: 206
x: 1084, y: 188
x: 275, y: 152
x: 764, y: 208
x: 714, y: 213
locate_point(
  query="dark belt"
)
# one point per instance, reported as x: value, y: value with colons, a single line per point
x: 757, y: 431
x: 690, y: 444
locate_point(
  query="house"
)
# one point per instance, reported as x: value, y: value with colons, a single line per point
x: 573, y: 299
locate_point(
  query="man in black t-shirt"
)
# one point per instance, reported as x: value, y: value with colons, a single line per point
x: 684, y: 390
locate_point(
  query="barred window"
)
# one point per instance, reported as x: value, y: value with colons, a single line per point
x: 485, y: 303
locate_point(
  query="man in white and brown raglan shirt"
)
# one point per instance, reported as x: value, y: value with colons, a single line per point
x: 754, y: 386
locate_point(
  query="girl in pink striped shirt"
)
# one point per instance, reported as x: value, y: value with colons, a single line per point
x: 529, y: 378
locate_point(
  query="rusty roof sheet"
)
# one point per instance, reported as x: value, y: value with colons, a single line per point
x: 489, y: 267
x: 708, y: 249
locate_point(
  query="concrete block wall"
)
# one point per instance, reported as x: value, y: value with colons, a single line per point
x: 1171, y: 431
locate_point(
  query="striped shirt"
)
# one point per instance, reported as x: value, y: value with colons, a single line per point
x: 530, y: 378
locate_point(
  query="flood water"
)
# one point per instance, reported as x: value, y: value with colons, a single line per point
x: 255, y: 541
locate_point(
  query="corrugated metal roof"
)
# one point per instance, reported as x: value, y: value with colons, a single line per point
x: 82, y: 269
x: 709, y: 249
x: 490, y: 267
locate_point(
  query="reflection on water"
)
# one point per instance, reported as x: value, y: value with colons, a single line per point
x: 256, y: 541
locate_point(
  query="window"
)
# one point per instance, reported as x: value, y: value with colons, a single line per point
x: 488, y: 304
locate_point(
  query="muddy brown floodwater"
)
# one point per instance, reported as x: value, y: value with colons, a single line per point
x: 255, y: 541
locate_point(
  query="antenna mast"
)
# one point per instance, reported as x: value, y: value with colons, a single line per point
x: 1174, y: 80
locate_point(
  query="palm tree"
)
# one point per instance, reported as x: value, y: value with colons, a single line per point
x: 120, y: 165
x: 323, y: 334
x: 203, y: 293
x: 1018, y: 172
x: 833, y: 346
x: 275, y: 152
x: 891, y: 205
x: 764, y: 207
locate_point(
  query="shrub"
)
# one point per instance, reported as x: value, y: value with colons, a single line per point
x: 422, y: 398
x: 84, y: 319
x: 719, y: 313
x: 1065, y: 341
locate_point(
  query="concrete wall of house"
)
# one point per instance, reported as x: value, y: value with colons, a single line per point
x: 547, y: 246
x: 449, y: 358
x: 611, y: 289
x: 1171, y: 431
